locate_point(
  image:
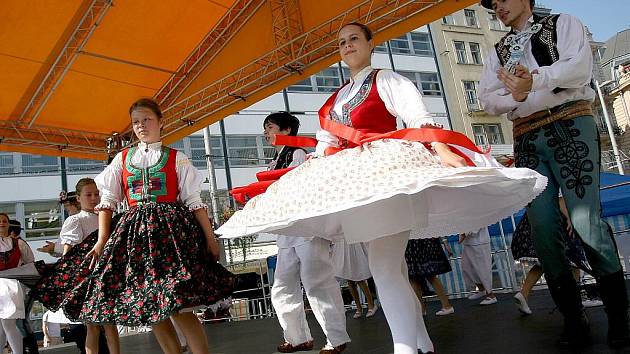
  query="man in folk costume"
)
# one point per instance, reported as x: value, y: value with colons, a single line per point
x: 304, y: 259
x: 540, y: 75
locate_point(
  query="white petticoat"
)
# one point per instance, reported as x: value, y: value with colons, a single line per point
x: 11, y: 299
x: 384, y: 188
x: 350, y: 261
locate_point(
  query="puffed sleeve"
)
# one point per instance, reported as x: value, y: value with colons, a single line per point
x: 109, y: 183
x: 299, y: 156
x: 402, y: 99
x: 189, y: 179
x: 325, y: 139
x: 71, y: 232
x: 27, y: 253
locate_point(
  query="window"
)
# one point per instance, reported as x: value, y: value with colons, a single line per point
x: 42, y: 218
x: 73, y: 164
x: 381, y: 48
x: 243, y: 151
x: 421, y: 43
x: 6, y: 163
x: 470, y: 91
x: 448, y: 20
x: 427, y: 83
x: 198, y: 152
x: 400, y: 45
x: 471, y: 18
x: 327, y: 80
x: 488, y: 134
x: 178, y: 145
x: 494, y: 22
x: 301, y: 86
x: 475, y: 52
x: 39, y: 163
x: 460, y: 50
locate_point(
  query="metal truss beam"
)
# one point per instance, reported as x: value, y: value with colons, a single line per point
x: 312, y: 47
x: 11, y: 133
x: 287, y: 24
x: 92, y: 16
x: 211, y: 45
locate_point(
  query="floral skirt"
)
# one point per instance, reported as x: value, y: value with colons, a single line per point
x: 426, y: 258
x: 68, y: 274
x: 383, y: 188
x: 153, y: 265
x: 523, y: 245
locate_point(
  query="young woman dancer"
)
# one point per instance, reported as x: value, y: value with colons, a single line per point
x: 160, y: 258
x: 384, y: 186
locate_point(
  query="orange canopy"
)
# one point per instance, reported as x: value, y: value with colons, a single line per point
x: 70, y: 69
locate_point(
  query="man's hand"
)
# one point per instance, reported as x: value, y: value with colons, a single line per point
x: 519, y: 84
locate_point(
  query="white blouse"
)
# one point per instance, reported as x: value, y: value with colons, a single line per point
x: 401, y: 97
x: 77, y: 227
x: 6, y: 244
x: 189, y: 179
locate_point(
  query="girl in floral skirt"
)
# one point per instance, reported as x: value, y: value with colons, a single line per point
x: 160, y: 259
x: 78, y: 236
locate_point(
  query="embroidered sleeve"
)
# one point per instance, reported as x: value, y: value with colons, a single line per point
x: 71, y: 232
x: 189, y: 179
x: 402, y: 99
x: 574, y: 67
x: 109, y: 183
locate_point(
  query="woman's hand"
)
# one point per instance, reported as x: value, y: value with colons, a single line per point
x: 448, y: 158
x: 213, y: 248
x: 95, y: 253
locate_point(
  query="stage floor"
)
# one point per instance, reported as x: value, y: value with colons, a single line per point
x: 471, y: 329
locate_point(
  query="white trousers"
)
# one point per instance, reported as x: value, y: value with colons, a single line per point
x: 477, y: 265
x: 9, y: 332
x: 402, y: 309
x: 311, y: 262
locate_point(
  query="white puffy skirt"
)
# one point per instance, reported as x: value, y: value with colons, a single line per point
x: 350, y: 261
x: 384, y: 188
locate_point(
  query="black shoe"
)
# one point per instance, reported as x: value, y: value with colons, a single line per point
x: 566, y: 295
x: 613, y: 292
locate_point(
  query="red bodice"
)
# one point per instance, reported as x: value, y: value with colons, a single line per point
x: 157, y: 183
x: 11, y: 258
x: 365, y: 112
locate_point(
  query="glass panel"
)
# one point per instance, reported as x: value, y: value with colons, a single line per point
x: 400, y: 45
x: 421, y: 43
x: 381, y: 48
x: 495, y: 24
x: 495, y: 136
x: 243, y: 151
x: 73, y: 164
x: 430, y: 84
x: 475, y: 52
x: 471, y: 95
x: 448, y: 20
x: 460, y: 50
x: 6, y: 163
x: 471, y: 18
x: 42, y: 215
x: 301, y: 86
x: 178, y: 145
x: 9, y: 209
x: 327, y: 80
x: 39, y: 163
x: 198, y: 152
x: 480, y: 135
x: 411, y: 76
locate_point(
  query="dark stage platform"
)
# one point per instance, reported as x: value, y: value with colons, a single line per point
x: 472, y: 329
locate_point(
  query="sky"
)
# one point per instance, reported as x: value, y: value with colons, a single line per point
x: 603, y: 17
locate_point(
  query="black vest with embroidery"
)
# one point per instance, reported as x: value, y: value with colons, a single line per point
x: 543, y: 43
x: 284, y: 159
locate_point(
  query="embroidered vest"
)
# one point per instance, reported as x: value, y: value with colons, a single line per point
x: 157, y: 183
x: 365, y: 112
x: 543, y: 43
x: 11, y: 258
x: 285, y: 158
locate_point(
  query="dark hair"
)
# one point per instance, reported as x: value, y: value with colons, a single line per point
x: 284, y: 120
x: 5, y: 215
x: 147, y: 103
x: 15, y: 227
x: 364, y: 28
x: 82, y: 183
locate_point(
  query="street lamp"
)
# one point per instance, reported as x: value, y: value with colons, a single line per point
x: 611, y: 134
